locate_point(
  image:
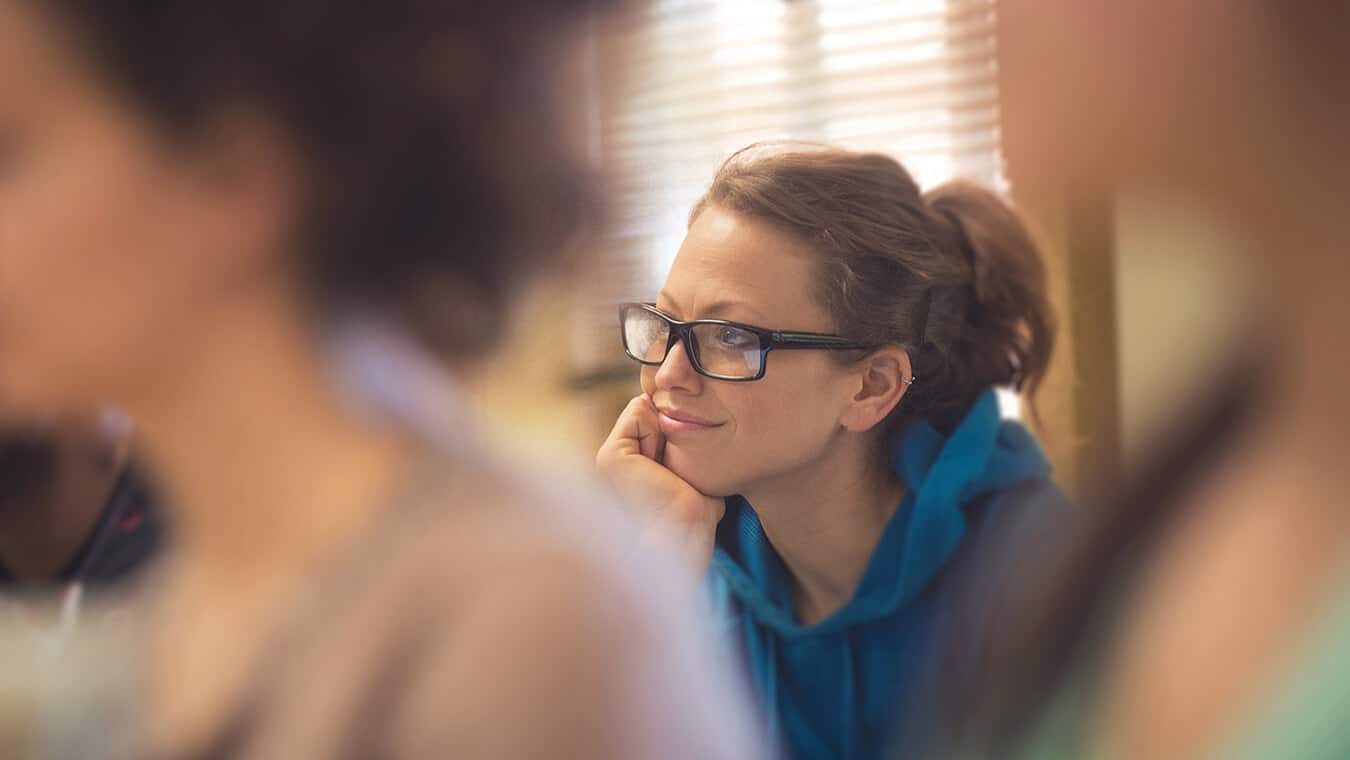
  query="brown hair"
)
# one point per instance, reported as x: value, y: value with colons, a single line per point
x: 951, y: 275
x: 428, y: 129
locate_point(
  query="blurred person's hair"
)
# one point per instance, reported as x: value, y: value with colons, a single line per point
x: 27, y: 466
x: 427, y: 129
x: 1311, y: 37
x: 952, y: 274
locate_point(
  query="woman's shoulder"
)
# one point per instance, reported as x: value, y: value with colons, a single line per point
x: 1029, y: 504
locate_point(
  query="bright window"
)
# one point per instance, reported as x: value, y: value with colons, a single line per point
x: 697, y: 79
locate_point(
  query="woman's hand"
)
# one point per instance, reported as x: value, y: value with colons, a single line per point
x: 630, y: 459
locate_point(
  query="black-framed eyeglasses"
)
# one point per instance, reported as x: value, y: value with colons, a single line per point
x: 716, y: 348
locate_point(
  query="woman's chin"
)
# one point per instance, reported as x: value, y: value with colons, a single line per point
x: 699, y: 470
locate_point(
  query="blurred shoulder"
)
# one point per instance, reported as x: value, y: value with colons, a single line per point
x: 493, y: 528
x: 539, y: 596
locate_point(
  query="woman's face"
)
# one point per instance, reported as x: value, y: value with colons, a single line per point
x: 114, y: 242
x: 744, y: 270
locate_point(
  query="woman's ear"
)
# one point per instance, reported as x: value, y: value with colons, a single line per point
x: 883, y: 378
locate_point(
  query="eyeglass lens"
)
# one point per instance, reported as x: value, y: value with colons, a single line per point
x: 722, y: 350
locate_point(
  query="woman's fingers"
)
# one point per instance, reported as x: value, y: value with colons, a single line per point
x: 631, y: 460
x: 651, y: 441
x: 636, y: 431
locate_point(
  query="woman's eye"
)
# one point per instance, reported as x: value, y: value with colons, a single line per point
x: 733, y: 338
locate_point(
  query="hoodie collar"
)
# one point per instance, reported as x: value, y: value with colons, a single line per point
x: 942, y: 475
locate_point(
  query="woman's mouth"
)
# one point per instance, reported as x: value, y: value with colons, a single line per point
x: 676, y: 421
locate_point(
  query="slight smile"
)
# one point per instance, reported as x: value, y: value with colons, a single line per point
x: 674, y: 421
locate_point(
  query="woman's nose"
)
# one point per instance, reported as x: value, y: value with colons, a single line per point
x: 677, y: 371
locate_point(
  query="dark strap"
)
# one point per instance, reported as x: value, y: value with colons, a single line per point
x: 127, y: 537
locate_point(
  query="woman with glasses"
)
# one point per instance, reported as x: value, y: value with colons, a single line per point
x: 819, y: 426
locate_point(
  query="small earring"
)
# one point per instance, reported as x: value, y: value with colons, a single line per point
x: 911, y: 379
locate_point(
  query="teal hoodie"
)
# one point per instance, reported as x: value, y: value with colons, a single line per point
x: 836, y: 688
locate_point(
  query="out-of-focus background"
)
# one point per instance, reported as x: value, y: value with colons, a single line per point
x: 678, y: 84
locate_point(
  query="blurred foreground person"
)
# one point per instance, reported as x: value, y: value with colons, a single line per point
x: 271, y: 231
x: 1208, y: 613
x: 74, y: 517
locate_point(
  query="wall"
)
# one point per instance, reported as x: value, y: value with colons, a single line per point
x: 1177, y: 298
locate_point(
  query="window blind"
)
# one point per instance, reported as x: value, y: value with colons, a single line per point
x: 687, y: 82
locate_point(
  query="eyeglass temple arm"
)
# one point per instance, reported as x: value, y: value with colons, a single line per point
x: 790, y: 340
